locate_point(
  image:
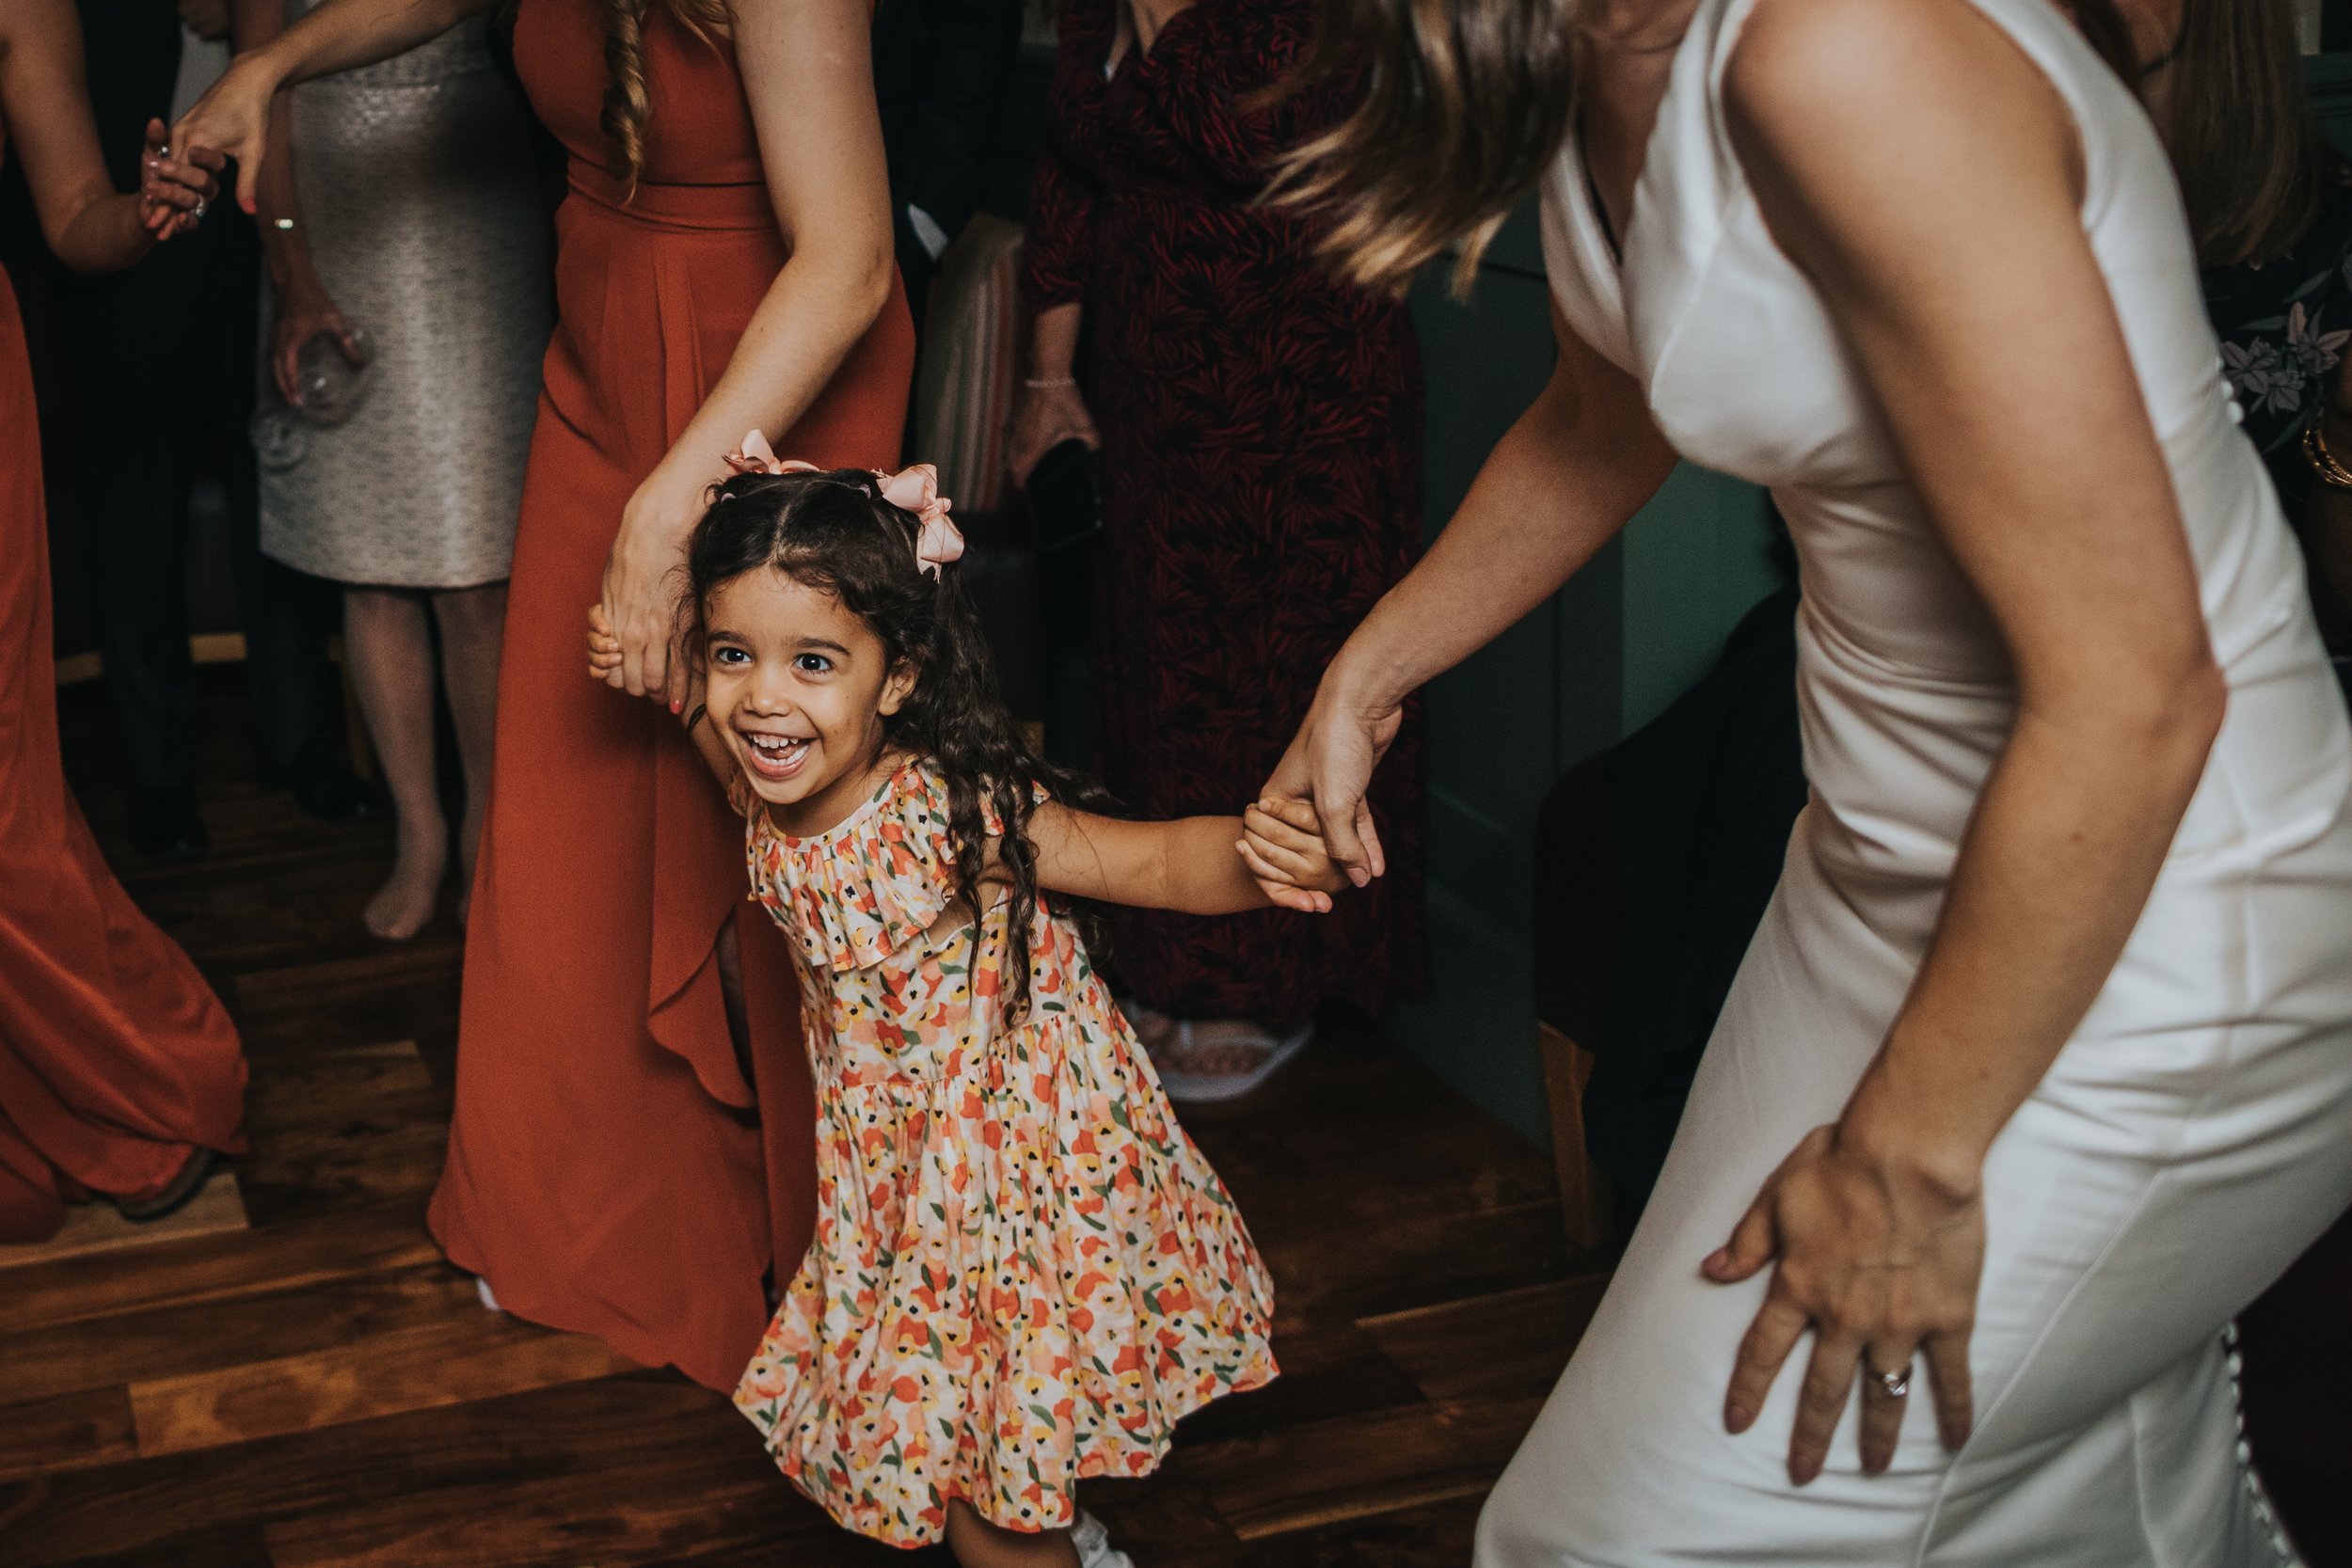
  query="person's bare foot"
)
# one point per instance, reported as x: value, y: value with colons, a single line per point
x: 404, y: 905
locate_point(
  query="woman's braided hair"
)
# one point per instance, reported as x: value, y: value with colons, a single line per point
x: 628, y: 104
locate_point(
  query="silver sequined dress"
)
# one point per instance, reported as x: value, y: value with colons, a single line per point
x: 424, y: 215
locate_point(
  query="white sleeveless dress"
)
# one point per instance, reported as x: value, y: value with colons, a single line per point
x: 2193, y: 1136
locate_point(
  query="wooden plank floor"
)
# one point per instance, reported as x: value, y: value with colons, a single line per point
x: 294, y: 1379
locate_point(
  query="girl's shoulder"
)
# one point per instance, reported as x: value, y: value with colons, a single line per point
x: 871, y: 884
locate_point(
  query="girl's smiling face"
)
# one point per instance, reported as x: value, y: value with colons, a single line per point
x: 798, y: 688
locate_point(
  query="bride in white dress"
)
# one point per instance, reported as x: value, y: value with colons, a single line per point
x: 2040, y: 1066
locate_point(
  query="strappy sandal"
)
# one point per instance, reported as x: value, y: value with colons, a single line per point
x: 1093, y: 1544
x: 1206, y: 1088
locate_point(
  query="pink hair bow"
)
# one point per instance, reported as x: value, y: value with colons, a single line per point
x: 754, y: 457
x: 916, y: 490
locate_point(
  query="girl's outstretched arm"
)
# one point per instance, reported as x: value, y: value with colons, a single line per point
x: 1192, y: 865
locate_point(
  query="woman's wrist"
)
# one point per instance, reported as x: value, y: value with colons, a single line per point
x: 680, y: 482
x: 292, y: 271
x: 269, y: 69
x: 1913, y: 1136
x: 1359, y: 681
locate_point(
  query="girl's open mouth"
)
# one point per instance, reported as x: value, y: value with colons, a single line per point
x: 776, y: 756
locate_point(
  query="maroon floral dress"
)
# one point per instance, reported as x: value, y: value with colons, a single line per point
x: 1261, y: 429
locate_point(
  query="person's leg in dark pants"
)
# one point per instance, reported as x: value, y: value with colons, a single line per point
x: 288, y: 615
x: 137, y: 370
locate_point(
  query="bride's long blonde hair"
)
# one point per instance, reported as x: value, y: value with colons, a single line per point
x: 1462, y: 105
x: 627, y: 105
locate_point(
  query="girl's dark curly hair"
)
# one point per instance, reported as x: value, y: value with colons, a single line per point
x: 834, y: 531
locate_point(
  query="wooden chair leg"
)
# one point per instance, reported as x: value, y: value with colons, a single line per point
x: 1586, y: 1202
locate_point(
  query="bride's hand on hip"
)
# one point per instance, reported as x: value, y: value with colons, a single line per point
x: 1881, y: 1263
x: 644, y: 585
x: 1329, y: 763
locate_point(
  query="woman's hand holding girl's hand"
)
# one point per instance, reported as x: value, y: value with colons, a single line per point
x: 171, y: 190
x: 645, y: 581
x: 1282, y: 845
x: 1881, y: 1259
x: 1329, y: 766
x: 231, y: 120
x: 1044, y: 419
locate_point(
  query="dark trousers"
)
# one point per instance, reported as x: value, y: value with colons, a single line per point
x: 165, y: 354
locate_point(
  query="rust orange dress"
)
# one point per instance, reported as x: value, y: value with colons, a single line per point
x: 610, y: 1170
x: 117, y: 1062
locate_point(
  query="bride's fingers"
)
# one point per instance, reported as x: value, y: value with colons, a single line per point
x: 1828, y: 1384
x: 1882, y: 1407
x: 1370, y: 835
x: 1751, y: 1245
x: 1779, y: 1324
x: 1948, y: 1373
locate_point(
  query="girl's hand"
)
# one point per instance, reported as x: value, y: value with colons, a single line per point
x: 1044, y: 419
x: 604, y: 649
x: 304, y: 311
x: 1282, y: 845
x: 1882, y: 1263
x: 645, y: 583
x: 173, y: 191
x: 231, y: 120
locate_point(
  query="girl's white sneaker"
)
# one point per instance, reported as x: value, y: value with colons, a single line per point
x: 1095, y: 1544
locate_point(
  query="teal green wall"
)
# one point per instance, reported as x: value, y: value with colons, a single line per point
x: 1697, y: 558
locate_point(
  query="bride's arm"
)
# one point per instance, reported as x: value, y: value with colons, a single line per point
x: 1927, y: 178
x: 233, y: 117
x: 1568, y: 475
x: 808, y: 73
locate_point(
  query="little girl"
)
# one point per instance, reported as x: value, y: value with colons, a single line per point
x: 1024, y: 1272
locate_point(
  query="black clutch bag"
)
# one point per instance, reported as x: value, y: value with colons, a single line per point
x: 1065, y: 497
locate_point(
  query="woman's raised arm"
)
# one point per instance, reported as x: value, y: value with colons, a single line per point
x: 808, y: 72
x: 1560, y: 485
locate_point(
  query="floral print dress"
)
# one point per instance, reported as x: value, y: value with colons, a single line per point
x: 1024, y: 1272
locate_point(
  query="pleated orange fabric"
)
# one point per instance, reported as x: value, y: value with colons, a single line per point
x: 610, y: 1170
x: 117, y: 1062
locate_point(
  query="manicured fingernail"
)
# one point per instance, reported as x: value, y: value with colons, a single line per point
x: 1804, y: 1473
x: 1736, y: 1419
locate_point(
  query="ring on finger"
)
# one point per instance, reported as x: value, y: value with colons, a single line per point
x: 1895, y: 1385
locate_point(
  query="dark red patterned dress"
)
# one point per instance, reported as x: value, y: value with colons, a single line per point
x: 1260, y: 431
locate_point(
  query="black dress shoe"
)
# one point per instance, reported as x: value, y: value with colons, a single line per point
x: 327, y: 790
x: 166, y: 825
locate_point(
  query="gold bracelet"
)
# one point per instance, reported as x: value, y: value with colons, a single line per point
x: 2324, y: 463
